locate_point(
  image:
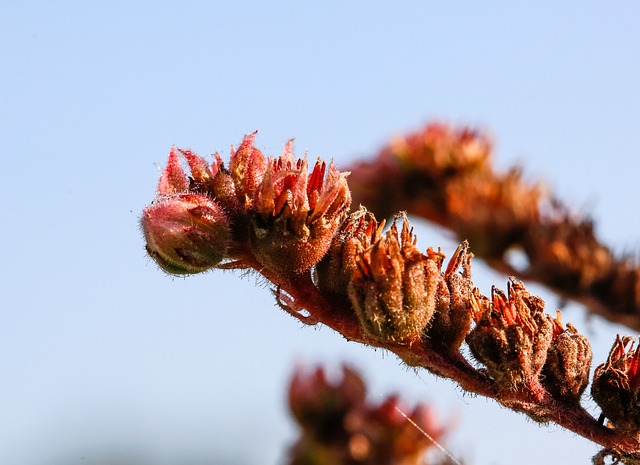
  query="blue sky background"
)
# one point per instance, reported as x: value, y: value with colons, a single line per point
x: 102, y: 354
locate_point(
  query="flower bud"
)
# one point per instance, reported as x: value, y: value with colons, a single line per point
x: 174, y: 180
x: 247, y: 166
x: 511, y: 336
x: 356, y: 234
x: 451, y: 321
x: 566, y: 372
x: 393, y: 289
x: 616, y: 385
x: 185, y: 233
x: 295, y: 215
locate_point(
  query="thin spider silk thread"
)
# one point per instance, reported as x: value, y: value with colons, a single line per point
x: 429, y: 437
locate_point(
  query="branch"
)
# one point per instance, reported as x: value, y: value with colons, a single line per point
x: 445, y: 175
x: 375, y: 287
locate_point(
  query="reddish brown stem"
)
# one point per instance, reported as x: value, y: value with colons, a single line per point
x: 451, y: 366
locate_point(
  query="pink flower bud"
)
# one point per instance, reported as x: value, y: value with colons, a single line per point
x: 295, y: 214
x: 247, y: 166
x: 185, y: 233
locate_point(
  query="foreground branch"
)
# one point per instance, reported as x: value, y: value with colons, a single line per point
x: 375, y: 287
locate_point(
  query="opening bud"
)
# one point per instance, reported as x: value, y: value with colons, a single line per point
x: 295, y: 214
x: 356, y: 234
x: 452, y: 319
x: 185, y: 233
x: 247, y: 166
x: 616, y: 385
x: 511, y: 336
x: 566, y: 372
x: 393, y: 288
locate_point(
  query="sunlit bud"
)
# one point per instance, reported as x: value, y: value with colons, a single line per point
x: 185, y: 233
x: 356, y: 234
x: 451, y: 321
x: 511, y: 336
x: 616, y: 385
x: 173, y: 179
x: 393, y: 289
x: 295, y: 214
x: 247, y: 166
x: 201, y: 172
x: 566, y: 372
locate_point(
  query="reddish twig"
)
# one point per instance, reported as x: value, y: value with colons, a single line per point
x: 377, y: 288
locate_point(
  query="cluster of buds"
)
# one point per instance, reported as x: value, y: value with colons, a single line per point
x: 568, y: 253
x: 525, y: 348
x: 272, y: 215
x: 339, y: 426
x: 399, y: 294
x: 616, y: 386
x: 267, y: 210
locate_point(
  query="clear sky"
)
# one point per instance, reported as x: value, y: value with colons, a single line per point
x: 101, y: 352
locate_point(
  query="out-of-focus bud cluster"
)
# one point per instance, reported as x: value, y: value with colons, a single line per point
x: 272, y: 210
x: 340, y: 427
x: 445, y: 175
x: 616, y: 386
x: 568, y: 253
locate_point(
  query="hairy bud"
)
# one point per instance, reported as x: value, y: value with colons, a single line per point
x: 295, y: 214
x: 511, y: 336
x: 174, y: 180
x: 247, y: 166
x: 616, y: 385
x: 185, y: 233
x: 566, y: 372
x: 393, y: 289
x: 452, y: 319
x: 356, y: 234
